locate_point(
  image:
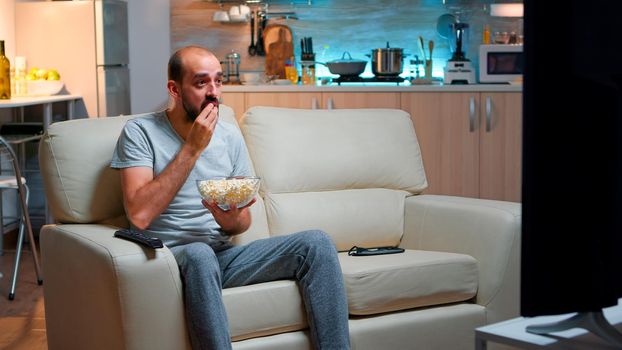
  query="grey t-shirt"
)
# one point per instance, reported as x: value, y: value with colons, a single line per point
x: 151, y: 141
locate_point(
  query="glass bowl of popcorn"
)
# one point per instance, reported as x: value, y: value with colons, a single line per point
x: 228, y: 191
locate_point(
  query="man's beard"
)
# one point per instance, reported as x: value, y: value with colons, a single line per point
x: 191, y: 112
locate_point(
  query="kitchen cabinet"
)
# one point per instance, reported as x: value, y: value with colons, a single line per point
x: 241, y: 101
x: 236, y: 101
x: 500, y: 146
x: 360, y: 100
x: 470, y: 142
x: 445, y: 124
x: 283, y: 99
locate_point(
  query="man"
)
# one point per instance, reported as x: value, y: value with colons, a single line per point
x: 161, y: 156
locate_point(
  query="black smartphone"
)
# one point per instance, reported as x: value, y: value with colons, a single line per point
x: 358, y: 251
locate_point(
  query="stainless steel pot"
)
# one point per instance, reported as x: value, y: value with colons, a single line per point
x: 387, y: 61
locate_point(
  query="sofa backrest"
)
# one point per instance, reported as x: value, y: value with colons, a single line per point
x: 80, y: 186
x: 74, y: 160
x: 346, y: 172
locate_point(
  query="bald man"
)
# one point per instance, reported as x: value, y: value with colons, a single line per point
x: 161, y: 155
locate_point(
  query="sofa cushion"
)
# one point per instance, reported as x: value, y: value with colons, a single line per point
x: 298, y: 150
x: 415, y: 278
x: 264, y: 309
x: 364, y: 217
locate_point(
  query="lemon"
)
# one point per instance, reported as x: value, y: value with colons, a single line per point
x: 33, y: 71
x: 42, y: 74
x: 53, y: 75
x: 31, y: 76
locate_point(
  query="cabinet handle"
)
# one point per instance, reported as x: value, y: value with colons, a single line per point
x: 488, y: 114
x: 330, y: 103
x: 471, y: 114
x: 314, y: 104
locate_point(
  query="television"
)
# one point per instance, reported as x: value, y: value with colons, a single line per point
x: 571, y: 259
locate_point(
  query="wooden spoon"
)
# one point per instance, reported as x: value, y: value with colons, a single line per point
x: 431, y: 46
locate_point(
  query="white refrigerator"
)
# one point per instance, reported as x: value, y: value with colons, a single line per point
x: 87, y: 42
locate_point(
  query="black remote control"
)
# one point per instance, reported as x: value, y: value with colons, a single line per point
x: 139, y: 237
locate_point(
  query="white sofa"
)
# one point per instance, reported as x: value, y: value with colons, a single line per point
x: 356, y: 174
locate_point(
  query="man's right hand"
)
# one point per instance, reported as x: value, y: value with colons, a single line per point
x: 203, y: 128
x: 232, y: 221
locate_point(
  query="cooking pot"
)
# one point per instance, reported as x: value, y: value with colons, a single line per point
x: 346, y: 66
x: 387, y: 61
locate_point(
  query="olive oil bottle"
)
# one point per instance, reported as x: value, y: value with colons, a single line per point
x: 5, y: 74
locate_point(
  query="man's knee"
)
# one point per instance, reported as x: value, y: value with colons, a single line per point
x: 318, y: 239
x: 197, y: 255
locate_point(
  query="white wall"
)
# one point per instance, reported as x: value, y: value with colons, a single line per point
x: 7, y: 27
x: 150, y: 48
x: 7, y: 33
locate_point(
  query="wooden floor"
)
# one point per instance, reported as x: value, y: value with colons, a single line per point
x: 22, y: 320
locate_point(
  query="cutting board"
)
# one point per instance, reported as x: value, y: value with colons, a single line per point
x: 279, y: 47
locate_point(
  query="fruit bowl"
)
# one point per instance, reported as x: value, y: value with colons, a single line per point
x: 228, y: 191
x: 44, y: 87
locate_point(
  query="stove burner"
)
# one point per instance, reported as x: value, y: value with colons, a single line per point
x: 376, y: 79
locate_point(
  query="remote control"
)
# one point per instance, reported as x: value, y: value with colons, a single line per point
x: 139, y: 237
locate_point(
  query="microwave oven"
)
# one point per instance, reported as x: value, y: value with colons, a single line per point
x: 500, y: 63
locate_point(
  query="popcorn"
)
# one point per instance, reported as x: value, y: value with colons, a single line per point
x: 229, y: 191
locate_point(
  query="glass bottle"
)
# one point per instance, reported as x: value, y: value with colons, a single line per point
x: 486, y: 35
x: 308, y: 73
x: 291, y: 72
x: 12, y: 75
x: 18, y: 80
x: 5, y: 74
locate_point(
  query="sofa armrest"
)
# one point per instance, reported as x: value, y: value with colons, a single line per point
x: 487, y: 230
x: 103, y: 292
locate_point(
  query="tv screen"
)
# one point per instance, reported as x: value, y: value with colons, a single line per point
x: 572, y: 157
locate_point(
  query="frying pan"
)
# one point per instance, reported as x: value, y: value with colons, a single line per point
x: 346, y: 66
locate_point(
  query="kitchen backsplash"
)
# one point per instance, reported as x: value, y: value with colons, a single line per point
x: 336, y: 26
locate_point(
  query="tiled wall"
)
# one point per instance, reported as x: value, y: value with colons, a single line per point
x: 356, y: 26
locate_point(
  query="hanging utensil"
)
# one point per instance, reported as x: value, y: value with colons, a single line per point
x: 252, y: 49
x: 422, y: 46
x: 261, y: 26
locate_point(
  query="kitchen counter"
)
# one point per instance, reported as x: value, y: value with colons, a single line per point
x: 36, y: 100
x: 375, y: 87
x: 46, y: 102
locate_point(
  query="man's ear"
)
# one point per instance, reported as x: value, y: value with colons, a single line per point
x: 173, y: 88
